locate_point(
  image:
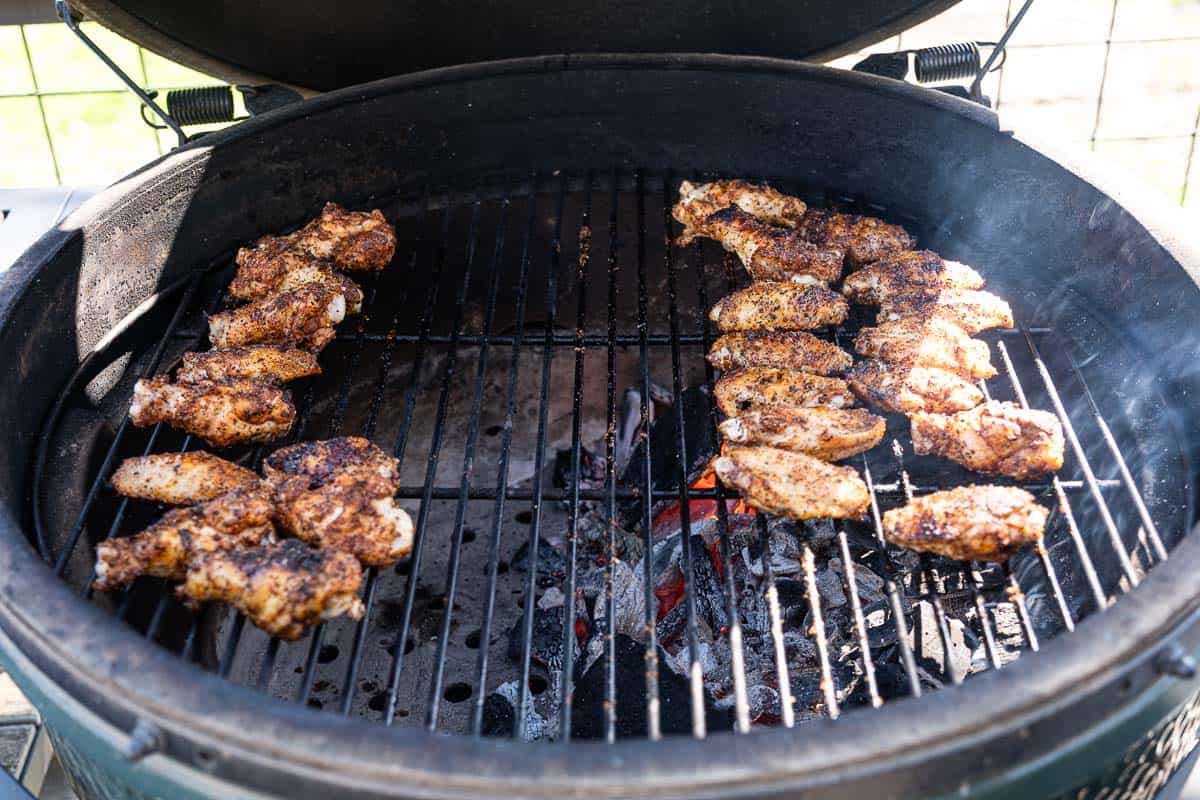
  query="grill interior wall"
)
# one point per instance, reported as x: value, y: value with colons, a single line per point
x: 454, y: 313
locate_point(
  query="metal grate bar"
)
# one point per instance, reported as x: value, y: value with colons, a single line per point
x: 787, y: 703
x: 828, y: 684
x: 860, y: 621
x: 610, y: 477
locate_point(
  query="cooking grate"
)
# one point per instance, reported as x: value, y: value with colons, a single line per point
x: 479, y: 353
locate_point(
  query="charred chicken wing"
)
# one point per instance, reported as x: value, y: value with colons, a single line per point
x: 238, y: 519
x: 792, y: 484
x: 927, y: 343
x: 903, y: 389
x: 970, y: 523
x: 865, y: 239
x: 764, y: 388
x: 282, y: 588
x: 794, y: 350
x: 304, y: 316
x: 913, y: 273
x: 773, y: 305
x: 829, y: 434
x: 971, y: 310
x: 232, y: 412
x: 268, y: 363
x: 323, y: 459
x: 996, y: 438
x: 697, y: 201
x: 352, y: 511
x: 181, y: 479
x: 769, y: 253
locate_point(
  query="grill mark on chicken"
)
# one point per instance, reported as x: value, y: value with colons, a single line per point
x: 774, y: 305
x: 865, y: 239
x: 973, y: 311
x: 795, y: 350
x: 913, y: 273
x: 282, y: 588
x: 996, y: 438
x: 969, y: 523
x: 304, y: 316
x: 825, y: 433
x: 904, y: 389
x: 320, y: 460
x: 792, y: 484
x: 758, y: 388
x: 259, y: 362
x: 232, y: 412
x: 181, y: 478
x: 769, y: 253
x: 698, y: 201
x: 927, y: 343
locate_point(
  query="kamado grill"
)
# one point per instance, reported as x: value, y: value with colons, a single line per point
x: 534, y: 355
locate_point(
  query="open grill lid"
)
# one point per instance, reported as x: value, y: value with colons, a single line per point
x: 320, y: 46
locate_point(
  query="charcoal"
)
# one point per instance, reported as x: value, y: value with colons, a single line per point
x: 587, y: 716
x: 829, y: 586
x: 551, y: 598
x: 592, y: 469
x: 792, y: 594
x: 551, y: 563
x: 498, y: 715
x: 547, y: 638
x: 629, y: 597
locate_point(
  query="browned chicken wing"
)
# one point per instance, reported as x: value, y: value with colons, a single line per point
x: 757, y: 388
x: 970, y: 523
x: 257, y: 362
x: 973, y: 311
x: 322, y: 459
x: 927, y: 343
x: 795, y: 350
x: 238, y: 519
x: 903, y: 389
x: 996, y: 438
x: 352, y: 511
x: 912, y: 273
x: 304, y: 316
x: 234, y: 412
x: 769, y: 253
x: 179, y: 479
x: 282, y: 588
x: 771, y: 305
x: 865, y: 239
x: 829, y: 434
x: 792, y: 484
x: 697, y: 201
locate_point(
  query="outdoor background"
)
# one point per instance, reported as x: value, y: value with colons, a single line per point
x: 1118, y: 77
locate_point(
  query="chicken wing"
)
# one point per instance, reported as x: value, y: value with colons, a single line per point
x: 913, y: 273
x: 865, y: 239
x: 237, y: 519
x: 304, y: 316
x: 996, y: 438
x: 903, y: 389
x: 792, y: 484
x: 970, y: 523
x: 769, y: 253
x: 794, y: 350
x: 179, y: 479
x: 322, y: 275
x: 973, y: 311
x: 323, y: 459
x: 267, y: 363
x: 697, y: 201
x: 282, y: 588
x: 927, y: 343
x: 758, y: 388
x: 774, y: 305
x: 352, y: 511
x: 829, y: 434
x: 222, y: 414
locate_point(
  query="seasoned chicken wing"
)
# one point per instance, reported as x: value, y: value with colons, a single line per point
x: 769, y: 253
x: 927, y: 343
x: 237, y: 519
x: 304, y: 316
x: 757, y: 388
x: 792, y: 484
x: 912, y: 273
x: 970, y: 523
x: 795, y: 350
x: 282, y: 588
x: 322, y: 275
x: 996, y: 438
x: 351, y: 511
x: 179, y: 479
x: 773, y: 305
x: 697, y: 201
x: 904, y: 389
x: 268, y: 363
x: 233, y: 412
x: 973, y: 311
x: 865, y: 239
x: 829, y: 434
x: 322, y: 459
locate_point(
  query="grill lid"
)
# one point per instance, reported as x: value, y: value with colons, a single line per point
x: 322, y: 46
